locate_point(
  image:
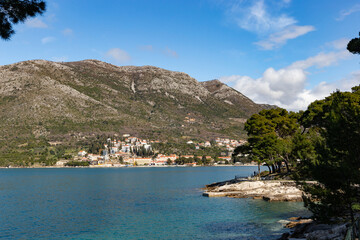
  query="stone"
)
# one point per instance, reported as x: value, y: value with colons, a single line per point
x: 293, y: 224
x: 269, y: 190
x: 284, y: 236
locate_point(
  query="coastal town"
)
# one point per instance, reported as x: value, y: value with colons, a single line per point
x: 134, y: 151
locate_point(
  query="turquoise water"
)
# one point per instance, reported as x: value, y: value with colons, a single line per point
x: 132, y: 203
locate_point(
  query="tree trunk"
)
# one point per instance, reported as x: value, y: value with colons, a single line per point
x: 269, y: 168
x: 273, y: 168
x: 351, y: 213
x: 287, y: 166
x: 352, y: 219
x: 259, y: 170
x: 279, y: 167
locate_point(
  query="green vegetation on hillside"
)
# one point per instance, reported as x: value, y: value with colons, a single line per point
x: 32, y: 152
x: 75, y: 103
x: 182, y: 148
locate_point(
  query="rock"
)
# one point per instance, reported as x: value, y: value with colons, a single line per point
x: 293, y: 224
x: 284, y: 221
x: 284, y: 198
x: 214, y: 194
x: 334, y: 232
x: 284, y: 236
x: 271, y: 190
x: 312, y: 230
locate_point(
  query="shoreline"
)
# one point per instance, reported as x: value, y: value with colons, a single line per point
x: 268, y: 190
x: 124, y: 166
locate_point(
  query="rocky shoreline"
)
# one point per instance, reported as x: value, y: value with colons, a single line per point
x: 304, y: 228
x: 278, y: 190
x: 268, y: 190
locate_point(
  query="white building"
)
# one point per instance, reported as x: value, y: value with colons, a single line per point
x: 82, y: 153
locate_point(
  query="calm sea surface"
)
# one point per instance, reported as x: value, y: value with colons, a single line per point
x: 132, y: 203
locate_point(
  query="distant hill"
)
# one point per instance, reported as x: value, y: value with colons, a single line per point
x: 73, y: 100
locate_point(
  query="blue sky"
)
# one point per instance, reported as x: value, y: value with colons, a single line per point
x: 284, y: 52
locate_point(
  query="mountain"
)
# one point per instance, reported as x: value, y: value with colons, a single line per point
x: 69, y: 101
x: 231, y: 96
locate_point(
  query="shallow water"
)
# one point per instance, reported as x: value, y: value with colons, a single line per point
x: 132, y: 203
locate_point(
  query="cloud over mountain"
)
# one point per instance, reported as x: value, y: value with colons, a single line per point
x: 118, y: 55
x: 286, y: 87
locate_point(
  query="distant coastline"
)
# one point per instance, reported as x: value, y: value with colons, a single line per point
x: 124, y: 166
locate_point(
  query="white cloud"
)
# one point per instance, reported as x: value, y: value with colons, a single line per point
x: 322, y: 60
x: 148, y: 48
x: 171, y: 53
x: 286, y: 87
x: 345, y: 13
x: 339, y: 44
x: 59, y: 59
x: 280, y: 38
x: 36, y: 23
x: 260, y: 17
x: 67, y: 32
x: 256, y: 18
x: 46, y: 40
x: 118, y: 55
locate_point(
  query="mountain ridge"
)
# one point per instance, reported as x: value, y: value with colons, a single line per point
x: 60, y: 101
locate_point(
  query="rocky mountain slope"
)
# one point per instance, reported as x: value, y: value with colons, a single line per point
x: 61, y: 101
x: 231, y: 96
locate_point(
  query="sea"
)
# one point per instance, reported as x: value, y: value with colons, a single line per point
x: 133, y: 203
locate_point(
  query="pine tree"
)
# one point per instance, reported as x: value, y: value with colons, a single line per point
x: 15, y: 11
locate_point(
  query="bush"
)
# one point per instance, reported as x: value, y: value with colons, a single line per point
x: 77, y: 164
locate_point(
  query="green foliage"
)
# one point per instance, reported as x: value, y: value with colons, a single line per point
x: 204, y: 160
x: 15, y: 11
x: 29, y: 152
x: 67, y: 156
x: 336, y: 166
x: 356, y: 207
x: 270, y: 138
x: 304, y: 151
x: 182, y: 148
x: 323, y: 143
x: 241, y: 153
x: 143, y: 152
x: 77, y: 164
x: 354, y: 45
x: 183, y: 160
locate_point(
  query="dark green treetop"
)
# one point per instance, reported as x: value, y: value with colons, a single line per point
x: 336, y: 119
x: 354, y: 45
x: 270, y: 134
x: 15, y: 11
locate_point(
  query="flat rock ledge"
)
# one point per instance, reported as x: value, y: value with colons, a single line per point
x: 268, y: 190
